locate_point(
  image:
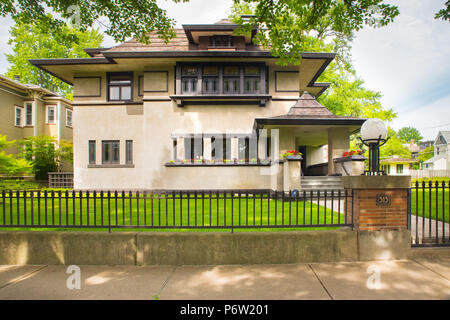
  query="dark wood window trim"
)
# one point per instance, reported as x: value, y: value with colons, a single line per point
x: 92, y: 152
x: 221, y: 76
x: 131, y: 85
x: 129, y: 152
x: 110, y: 154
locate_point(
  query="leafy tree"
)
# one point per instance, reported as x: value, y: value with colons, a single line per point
x: 291, y: 27
x: 125, y: 18
x: 9, y: 163
x: 406, y: 134
x: 34, y: 40
x: 45, y: 154
x: 347, y: 95
x: 426, y: 154
x: 444, y: 14
x: 394, y: 147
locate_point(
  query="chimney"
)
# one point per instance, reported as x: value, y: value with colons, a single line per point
x: 17, y: 78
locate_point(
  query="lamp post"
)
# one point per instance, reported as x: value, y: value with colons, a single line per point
x: 374, y: 135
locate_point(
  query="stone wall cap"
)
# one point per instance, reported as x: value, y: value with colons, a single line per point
x: 376, y: 182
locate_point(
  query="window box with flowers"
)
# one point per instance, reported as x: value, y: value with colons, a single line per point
x: 217, y: 163
x: 351, y: 163
x: 292, y: 155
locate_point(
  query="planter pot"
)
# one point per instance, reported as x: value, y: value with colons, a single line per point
x: 294, y: 158
x: 351, y: 158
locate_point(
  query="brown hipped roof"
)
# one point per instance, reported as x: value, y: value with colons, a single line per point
x: 307, y: 107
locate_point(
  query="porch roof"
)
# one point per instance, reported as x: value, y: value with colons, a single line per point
x: 307, y: 111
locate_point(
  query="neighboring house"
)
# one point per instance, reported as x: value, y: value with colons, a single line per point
x: 29, y: 110
x: 441, y: 158
x: 396, y: 166
x: 413, y: 148
x: 208, y: 110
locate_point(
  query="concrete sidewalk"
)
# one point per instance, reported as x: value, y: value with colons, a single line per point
x: 424, y: 276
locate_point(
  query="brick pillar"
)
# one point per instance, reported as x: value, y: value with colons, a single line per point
x: 380, y: 215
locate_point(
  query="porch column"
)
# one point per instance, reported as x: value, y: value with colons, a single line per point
x: 234, y: 148
x: 207, y: 148
x: 262, y: 144
x: 338, y: 143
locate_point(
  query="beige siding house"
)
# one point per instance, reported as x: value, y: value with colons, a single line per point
x: 209, y: 110
x: 29, y: 110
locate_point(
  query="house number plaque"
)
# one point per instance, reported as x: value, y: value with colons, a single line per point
x: 383, y: 200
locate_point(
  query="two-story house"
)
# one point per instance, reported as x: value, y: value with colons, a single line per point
x: 30, y: 110
x: 441, y: 158
x: 208, y: 110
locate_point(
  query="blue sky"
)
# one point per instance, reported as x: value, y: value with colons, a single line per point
x: 407, y: 61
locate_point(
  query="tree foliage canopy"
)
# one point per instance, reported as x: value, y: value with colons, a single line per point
x: 444, y: 14
x: 125, y: 18
x: 406, y: 134
x: 45, y: 154
x: 289, y: 27
x: 37, y: 41
x: 9, y: 163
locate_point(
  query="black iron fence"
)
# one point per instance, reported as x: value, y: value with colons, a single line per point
x: 429, y: 213
x: 206, y: 209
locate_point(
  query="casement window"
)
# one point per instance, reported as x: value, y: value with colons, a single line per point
x: 399, y: 169
x: 28, y: 114
x: 129, y: 152
x: 92, y: 152
x: 221, y: 79
x: 210, y: 79
x: 110, y: 152
x: 220, y: 41
x: 68, y: 117
x: 18, y: 116
x: 51, y: 114
x: 174, y: 149
x: 247, y: 149
x: 251, y: 79
x: 231, y: 80
x: 193, y: 148
x: 189, y: 79
x: 120, y: 86
x: 220, y: 148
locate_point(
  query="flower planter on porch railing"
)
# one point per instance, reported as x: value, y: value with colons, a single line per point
x: 294, y: 158
x: 350, y: 166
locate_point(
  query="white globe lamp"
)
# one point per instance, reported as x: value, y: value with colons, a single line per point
x: 374, y: 135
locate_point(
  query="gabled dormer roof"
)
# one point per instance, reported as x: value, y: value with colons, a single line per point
x: 443, y: 138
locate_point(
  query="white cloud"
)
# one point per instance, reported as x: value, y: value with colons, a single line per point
x: 429, y: 118
x: 407, y: 60
x: 197, y: 11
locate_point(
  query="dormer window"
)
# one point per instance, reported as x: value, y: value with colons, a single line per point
x: 221, y: 41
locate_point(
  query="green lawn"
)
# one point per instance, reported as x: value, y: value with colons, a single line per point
x: 425, y: 201
x: 160, y: 212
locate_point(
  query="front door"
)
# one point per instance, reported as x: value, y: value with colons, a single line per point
x: 302, y: 149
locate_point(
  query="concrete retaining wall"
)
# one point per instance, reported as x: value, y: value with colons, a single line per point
x: 196, y: 248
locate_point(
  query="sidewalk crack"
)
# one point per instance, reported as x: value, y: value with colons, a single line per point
x: 22, y: 277
x: 441, y: 275
x: 321, y: 283
x: 166, y: 281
